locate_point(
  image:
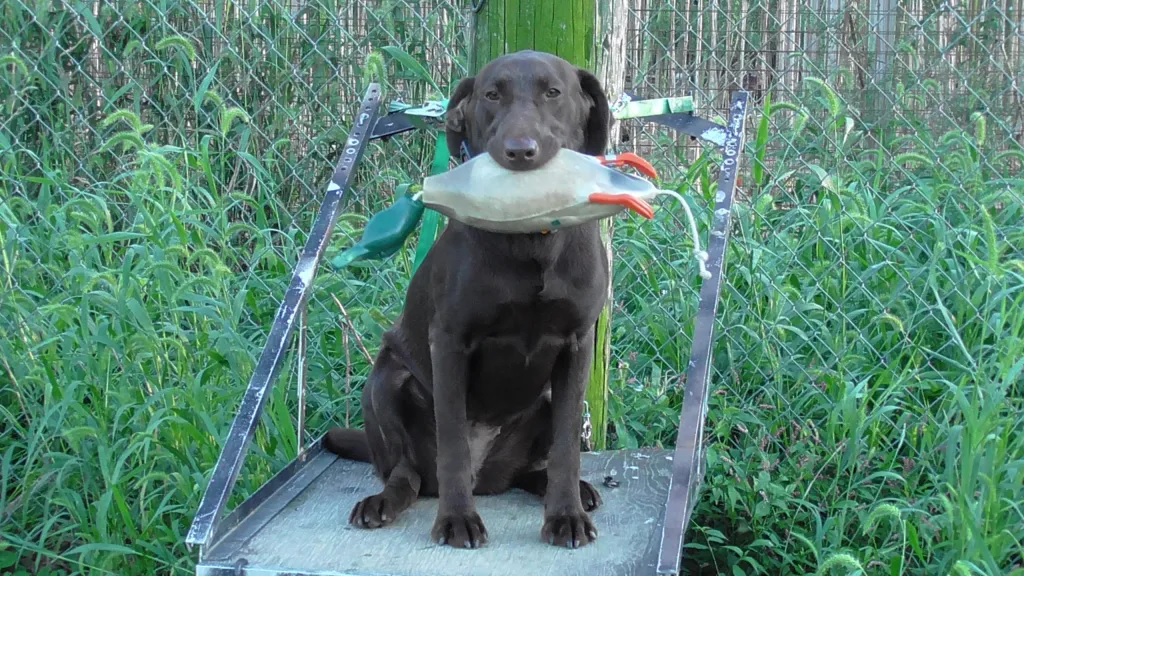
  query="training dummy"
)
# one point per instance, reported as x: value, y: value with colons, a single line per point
x: 571, y: 189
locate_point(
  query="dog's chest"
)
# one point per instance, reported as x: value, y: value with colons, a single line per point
x: 480, y: 440
x: 532, y: 313
x: 524, y: 313
x: 522, y: 333
x: 512, y: 358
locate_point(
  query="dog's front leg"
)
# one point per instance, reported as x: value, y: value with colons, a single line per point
x: 457, y: 522
x: 565, y: 522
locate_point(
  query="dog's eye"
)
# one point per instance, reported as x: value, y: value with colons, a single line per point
x: 492, y: 95
x: 552, y: 93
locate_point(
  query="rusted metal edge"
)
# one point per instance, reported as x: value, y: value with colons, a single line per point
x: 687, y: 461
x: 231, y: 460
x: 243, y: 569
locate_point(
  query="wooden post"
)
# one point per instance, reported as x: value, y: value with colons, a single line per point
x: 568, y: 29
x: 880, y: 92
x: 611, y: 28
x: 565, y: 28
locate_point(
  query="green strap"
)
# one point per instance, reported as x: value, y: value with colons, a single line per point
x: 430, y: 227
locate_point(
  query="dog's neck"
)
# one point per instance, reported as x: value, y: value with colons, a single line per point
x: 542, y: 248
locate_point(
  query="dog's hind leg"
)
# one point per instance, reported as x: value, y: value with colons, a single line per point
x: 534, y: 435
x: 400, y: 491
x: 388, y: 444
x: 536, y: 482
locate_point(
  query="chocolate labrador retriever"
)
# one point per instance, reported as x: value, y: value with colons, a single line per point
x: 479, y: 385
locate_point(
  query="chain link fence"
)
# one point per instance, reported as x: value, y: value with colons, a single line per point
x: 875, y: 281
x: 875, y: 272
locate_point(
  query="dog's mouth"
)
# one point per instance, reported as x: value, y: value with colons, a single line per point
x: 521, y: 154
x: 517, y: 165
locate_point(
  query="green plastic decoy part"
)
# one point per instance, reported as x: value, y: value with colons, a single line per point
x: 649, y: 107
x: 386, y: 231
x: 430, y: 228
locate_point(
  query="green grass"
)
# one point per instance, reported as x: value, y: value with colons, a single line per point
x: 867, y: 404
x: 867, y: 413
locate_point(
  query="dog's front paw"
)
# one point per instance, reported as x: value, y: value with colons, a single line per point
x: 372, y: 512
x: 570, y: 530
x: 589, y: 497
x: 460, y: 530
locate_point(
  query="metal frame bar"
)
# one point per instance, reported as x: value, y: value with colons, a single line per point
x: 686, y: 463
x: 228, y: 466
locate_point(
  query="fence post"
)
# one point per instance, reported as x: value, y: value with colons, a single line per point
x: 566, y: 28
x: 611, y: 25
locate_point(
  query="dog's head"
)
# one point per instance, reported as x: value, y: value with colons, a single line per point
x: 524, y: 107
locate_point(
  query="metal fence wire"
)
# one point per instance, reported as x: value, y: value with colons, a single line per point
x: 878, y: 238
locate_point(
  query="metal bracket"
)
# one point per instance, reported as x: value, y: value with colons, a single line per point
x: 391, y: 124
x: 626, y: 107
x: 403, y: 117
x: 670, y: 114
x: 674, y: 113
x: 433, y: 109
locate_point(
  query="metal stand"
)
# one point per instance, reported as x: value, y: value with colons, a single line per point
x: 303, y: 506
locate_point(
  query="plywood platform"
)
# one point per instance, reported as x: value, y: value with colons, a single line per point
x: 302, y: 527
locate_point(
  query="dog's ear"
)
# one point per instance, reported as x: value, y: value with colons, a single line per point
x: 599, y: 118
x: 456, y: 119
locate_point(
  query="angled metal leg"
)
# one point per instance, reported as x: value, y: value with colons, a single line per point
x: 686, y: 464
x: 227, y: 469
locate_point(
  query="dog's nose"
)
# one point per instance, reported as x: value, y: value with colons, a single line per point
x: 520, y: 149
